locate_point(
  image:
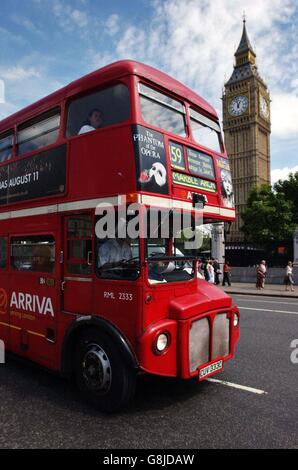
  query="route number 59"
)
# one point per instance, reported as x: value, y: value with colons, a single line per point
x: 176, y: 156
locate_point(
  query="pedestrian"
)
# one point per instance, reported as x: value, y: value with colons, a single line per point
x: 205, y: 270
x: 261, y: 274
x: 264, y: 269
x: 201, y: 268
x: 210, y: 271
x: 226, y: 274
x: 217, y: 272
x: 289, y: 282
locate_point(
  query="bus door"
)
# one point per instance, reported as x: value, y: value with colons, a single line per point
x: 77, y: 282
x: 34, y: 295
x: 4, y: 291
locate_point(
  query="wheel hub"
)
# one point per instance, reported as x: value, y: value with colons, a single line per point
x: 97, y: 370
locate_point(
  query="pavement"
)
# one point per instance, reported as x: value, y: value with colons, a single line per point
x: 271, y: 290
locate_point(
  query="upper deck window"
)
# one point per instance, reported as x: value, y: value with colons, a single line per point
x: 162, y: 111
x: 6, y: 145
x: 205, y: 131
x: 98, y: 109
x: 39, y: 132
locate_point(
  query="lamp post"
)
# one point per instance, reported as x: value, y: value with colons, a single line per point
x: 218, y: 242
x: 295, y: 242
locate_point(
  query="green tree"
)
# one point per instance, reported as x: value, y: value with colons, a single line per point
x: 268, y: 218
x: 289, y: 188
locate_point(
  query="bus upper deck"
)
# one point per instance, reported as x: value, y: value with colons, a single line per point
x: 154, y: 136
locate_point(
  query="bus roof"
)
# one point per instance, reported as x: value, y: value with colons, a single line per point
x: 105, y: 74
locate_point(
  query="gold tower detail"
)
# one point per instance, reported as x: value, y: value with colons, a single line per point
x: 246, y: 125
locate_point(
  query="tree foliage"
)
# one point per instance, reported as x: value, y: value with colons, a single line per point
x: 289, y: 188
x: 268, y: 218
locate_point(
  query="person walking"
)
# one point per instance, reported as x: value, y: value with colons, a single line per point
x: 261, y: 273
x: 289, y: 282
x: 217, y: 271
x: 264, y: 270
x: 210, y: 271
x: 226, y: 274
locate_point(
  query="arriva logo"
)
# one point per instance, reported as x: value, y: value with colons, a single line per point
x: 32, y: 303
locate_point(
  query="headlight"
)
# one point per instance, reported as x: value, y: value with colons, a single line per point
x: 236, y: 319
x: 161, y: 342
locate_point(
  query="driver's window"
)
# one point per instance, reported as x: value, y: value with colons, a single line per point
x: 117, y: 251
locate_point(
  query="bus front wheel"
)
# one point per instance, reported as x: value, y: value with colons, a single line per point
x: 101, y: 373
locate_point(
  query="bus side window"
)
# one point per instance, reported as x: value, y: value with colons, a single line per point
x: 79, y: 244
x: 6, y: 145
x: 33, y: 253
x: 205, y: 131
x: 98, y: 109
x: 38, y: 133
x: 3, y: 252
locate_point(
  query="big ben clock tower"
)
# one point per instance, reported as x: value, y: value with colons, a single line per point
x: 246, y: 125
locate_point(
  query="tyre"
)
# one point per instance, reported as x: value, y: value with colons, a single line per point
x: 101, y: 373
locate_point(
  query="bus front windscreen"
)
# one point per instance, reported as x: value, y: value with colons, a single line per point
x: 170, y: 247
x: 162, y: 111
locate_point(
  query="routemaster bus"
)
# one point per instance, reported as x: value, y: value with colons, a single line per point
x: 105, y: 308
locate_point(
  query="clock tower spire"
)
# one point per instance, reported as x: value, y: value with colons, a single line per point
x: 246, y: 125
x: 245, y: 52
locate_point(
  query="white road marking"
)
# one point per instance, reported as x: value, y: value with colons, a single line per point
x: 267, y: 310
x: 240, y: 387
x: 270, y: 301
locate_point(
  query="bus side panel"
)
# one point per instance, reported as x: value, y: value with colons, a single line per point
x: 110, y: 164
x: 33, y: 316
x: 120, y: 302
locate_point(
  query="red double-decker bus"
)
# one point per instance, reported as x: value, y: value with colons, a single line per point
x: 100, y: 308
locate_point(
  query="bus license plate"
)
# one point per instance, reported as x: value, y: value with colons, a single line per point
x: 208, y: 370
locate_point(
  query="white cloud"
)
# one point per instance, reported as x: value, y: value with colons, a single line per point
x: 133, y: 43
x: 6, y: 109
x: 70, y: 18
x: 112, y: 24
x: 79, y: 18
x: 11, y: 37
x: 27, y: 24
x: 282, y: 173
x: 195, y: 42
x: 18, y: 73
x: 98, y: 59
x: 284, y: 115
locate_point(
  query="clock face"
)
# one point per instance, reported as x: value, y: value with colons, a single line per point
x: 238, y: 105
x: 264, y: 107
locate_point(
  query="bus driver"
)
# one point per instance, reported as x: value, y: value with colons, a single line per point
x: 113, y: 251
x: 93, y: 122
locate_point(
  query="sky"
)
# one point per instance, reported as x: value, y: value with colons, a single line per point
x: 45, y: 44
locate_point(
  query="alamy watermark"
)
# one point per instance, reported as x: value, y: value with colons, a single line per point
x: 2, y: 91
x: 134, y: 220
x: 2, y: 352
x: 294, y: 353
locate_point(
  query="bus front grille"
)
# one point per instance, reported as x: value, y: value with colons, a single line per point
x: 221, y: 336
x: 199, y: 343
x: 200, y: 338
